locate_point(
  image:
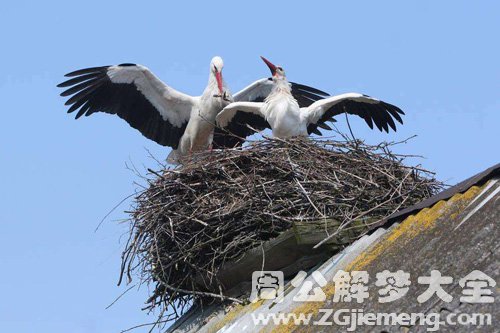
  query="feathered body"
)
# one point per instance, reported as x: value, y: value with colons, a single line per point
x: 283, y: 112
x: 199, y: 131
x: 167, y: 116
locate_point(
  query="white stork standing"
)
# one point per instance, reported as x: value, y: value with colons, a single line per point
x: 287, y: 118
x: 161, y: 113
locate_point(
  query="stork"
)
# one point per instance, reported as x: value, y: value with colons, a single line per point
x: 169, y: 117
x: 281, y: 112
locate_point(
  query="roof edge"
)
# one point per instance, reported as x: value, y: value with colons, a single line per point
x: 478, y: 179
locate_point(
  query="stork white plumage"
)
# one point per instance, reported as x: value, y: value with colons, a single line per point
x: 158, y: 111
x: 287, y: 118
x: 161, y: 113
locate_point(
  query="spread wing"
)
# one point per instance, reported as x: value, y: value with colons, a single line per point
x: 370, y: 109
x: 243, y: 124
x: 246, y: 108
x: 133, y: 93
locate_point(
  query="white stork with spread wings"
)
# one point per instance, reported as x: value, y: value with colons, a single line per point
x: 161, y: 113
x: 281, y: 112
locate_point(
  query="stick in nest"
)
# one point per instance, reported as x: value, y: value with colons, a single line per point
x: 189, y: 222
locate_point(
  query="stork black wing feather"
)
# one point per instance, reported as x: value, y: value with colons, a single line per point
x: 299, y: 86
x: 324, y: 126
x: 90, y: 88
x: 395, y: 112
x: 306, y: 95
x: 379, y: 113
x: 76, y: 106
x: 372, y: 112
x: 80, y: 86
x: 316, y: 131
x: 76, y: 80
x: 83, y: 109
x: 101, y: 69
x: 92, y: 91
x: 366, y: 116
x: 241, y: 126
x: 388, y: 117
x: 245, y: 124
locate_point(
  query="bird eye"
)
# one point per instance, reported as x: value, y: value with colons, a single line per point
x: 215, y: 69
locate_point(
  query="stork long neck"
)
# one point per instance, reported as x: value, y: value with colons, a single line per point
x: 212, y: 88
x: 281, y: 88
x: 211, y: 100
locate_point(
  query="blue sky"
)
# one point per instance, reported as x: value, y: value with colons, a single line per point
x: 437, y: 61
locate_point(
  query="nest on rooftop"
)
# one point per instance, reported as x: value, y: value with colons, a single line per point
x: 189, y: 221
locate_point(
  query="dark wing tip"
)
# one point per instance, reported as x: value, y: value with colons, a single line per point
x: 398, y: 110
x: 324, y: 126
x: 317, y: 132
x: 391, y: 123
x: 87, y: 70
x: 388, y: 113
x: 395, y: 112
x: 127, y: 64
x: 393, y: 107
x: 79, y: 79
x: 309, y: 89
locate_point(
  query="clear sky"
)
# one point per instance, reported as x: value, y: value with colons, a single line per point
x: 438, y: 61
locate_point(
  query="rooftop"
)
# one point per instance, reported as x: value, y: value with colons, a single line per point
x: 454, y: 232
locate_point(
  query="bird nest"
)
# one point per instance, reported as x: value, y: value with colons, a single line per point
x: 190, y: 220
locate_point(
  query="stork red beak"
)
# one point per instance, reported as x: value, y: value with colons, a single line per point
x: 218, y: 77
x: 269, y: 64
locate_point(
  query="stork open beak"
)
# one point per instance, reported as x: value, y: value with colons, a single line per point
x: 218, y: 77
x: 269, y: 64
